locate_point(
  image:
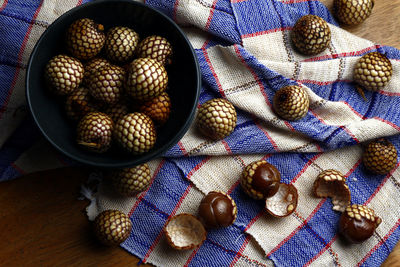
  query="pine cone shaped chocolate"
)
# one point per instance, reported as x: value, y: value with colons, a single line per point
x: 146, y: 79
x: 131, y: 181
x: 373, y: 71
x: 216, y: 118
x: 106, y: 84
x: 135, y: 132
x: 92, y: 66
x: 79, y: 103
x: 63, y: 74
x: 112, y: 227
x: 291, y: 102
x: 260, y: 179
x: 311, y: 35
x: 158, y: 108
x: 352, y: 12
x: 358, y: 223
x: 120, y: 44
x: 85, y: 38
x: 380, y: 156
x: 155, y: 47
x: 94, y: 132
x: 117, y: 111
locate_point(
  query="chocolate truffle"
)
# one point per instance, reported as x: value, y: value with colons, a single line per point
x: 358, y: 223
x: 217, y: 209
x: 260, y: 179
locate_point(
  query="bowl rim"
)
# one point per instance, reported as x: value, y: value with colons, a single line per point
x: 140, y: 158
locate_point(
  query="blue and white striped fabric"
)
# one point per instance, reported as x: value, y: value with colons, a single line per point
x: 245, y: 55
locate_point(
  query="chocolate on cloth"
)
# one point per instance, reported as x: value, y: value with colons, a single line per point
x: 244, y: 59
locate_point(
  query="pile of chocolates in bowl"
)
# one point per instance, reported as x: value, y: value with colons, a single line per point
x: 113, y: 85
x: 132, y: 72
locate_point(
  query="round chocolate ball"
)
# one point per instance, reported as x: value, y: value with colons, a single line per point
x: 217, y: 209
x: 358, y: 223
x: 260, y: 179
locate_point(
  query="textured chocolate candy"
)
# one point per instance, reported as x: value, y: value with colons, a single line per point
x: 184, y: 231
x: 216, y: 118
x: 120, y: 44
x: 94, y: 132
x: 146, y: 79
x: 79, y: 103
x: 291, y: 103
x: 92, y: 66
x: 283, y: 202
x: 352, y: 12
x: 106, y: 84
x: 380, y: 156
x: 311, y: 35
x: 358, y: 223
x: 117, y: 111
x: 155, y: 47
x: 85, y: 38
x: 217, y: 209
x: 373, y: 71
x: 331, y: 183
x: 131, y: 181
x: 63, y: 74
x: 260, y: 179
x: 135, y: 132
x: 112, y: 227
x: 158, y: 108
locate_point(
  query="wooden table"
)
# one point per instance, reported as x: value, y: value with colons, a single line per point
x: 42, y: 221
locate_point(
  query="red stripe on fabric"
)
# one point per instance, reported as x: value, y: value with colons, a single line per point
x: 322, y: 251
x: 297, y: 228
x: 17, y: 168
x: 237, y: 1
x: 387, y: 122
x: 211, y: 14
x: 240, y: 252
x: 79, y: 3
x: 205, y: 44
x: 321, y: 83
x: 191, y: 257
x: 388, y: 93
x: 182, y: 148
x: 143, y: 194
x: 274, y: 145
x: 353, y: 168
x: 213, y: 72
x: 228, y: 149
x: 262, y: 89
x: 176, y: 4
x: 344, y: 128
x: 305, y: 168
x: 382, y: 184
x: 289, y: 126
x: 19, y: 59
x: 248, y: 35
x: 296, y: 1
x: 346, y: 54
x: 380, y: 243
x: 254, y: 220
x: 171, y: 215
x: 197, y: 167
x: 352, y: 109
x: 4, y: 5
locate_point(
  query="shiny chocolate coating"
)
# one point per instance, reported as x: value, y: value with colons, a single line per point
x: 380, y: 156
x: 217, y: 209
x: 358, y: 223
x: 260, y: 179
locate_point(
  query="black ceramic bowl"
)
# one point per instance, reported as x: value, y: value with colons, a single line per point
x: 183, y: 74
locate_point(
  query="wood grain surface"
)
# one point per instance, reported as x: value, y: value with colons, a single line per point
x: 43, y: 223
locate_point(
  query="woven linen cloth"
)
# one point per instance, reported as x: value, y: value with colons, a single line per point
x: 245, y: 55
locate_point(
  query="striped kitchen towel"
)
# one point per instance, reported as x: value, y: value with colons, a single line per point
x: 245, y: 55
